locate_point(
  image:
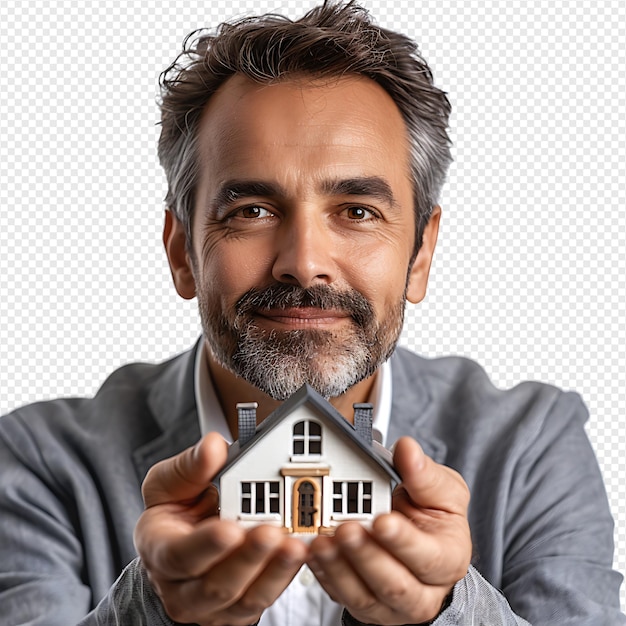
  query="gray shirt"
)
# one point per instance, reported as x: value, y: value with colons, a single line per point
x: 71, y: 471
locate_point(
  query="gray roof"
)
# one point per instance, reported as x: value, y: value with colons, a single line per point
x: 306, y: 395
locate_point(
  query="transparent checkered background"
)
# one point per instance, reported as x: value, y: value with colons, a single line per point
x: 528, y: 278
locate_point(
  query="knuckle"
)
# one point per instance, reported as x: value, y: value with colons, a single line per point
x: 147, y: 482
x: 395, y: 593
x: 246, y: 611
x: 463, y: 489
x: 167, y: 559
x: 364, y: 604
x: 218, y: 595
x: 149, y: 487
x: 251, y: 606
x: 457, y: 487
x: 461, y: 568
x: 438, y: 566
x: 175, y: 609
x: 180, y: 466
x: 426, y: 609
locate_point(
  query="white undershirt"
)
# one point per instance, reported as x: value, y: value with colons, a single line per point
x: 304, y: 602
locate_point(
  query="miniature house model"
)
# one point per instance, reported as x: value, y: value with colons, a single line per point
x: 305, y: 468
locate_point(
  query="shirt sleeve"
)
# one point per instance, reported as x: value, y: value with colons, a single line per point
x: 131, y: 600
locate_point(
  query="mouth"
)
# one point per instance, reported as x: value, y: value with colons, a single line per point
x: 302, y: 317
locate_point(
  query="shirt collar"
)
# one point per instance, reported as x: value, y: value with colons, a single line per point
x: 211, y: 416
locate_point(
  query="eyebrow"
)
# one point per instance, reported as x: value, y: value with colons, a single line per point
x: 371, y: 186
x: 233, y: 190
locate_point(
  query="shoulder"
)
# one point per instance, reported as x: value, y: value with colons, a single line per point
x: 462, y: 396
x: 120, y: 411
x: 439, y: 373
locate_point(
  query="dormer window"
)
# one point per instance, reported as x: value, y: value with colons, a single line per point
x: 307, y: 438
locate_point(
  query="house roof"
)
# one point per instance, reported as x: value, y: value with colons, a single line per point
x: 306, y: 395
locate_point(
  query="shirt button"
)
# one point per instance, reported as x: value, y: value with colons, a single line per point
x: 306, y: 577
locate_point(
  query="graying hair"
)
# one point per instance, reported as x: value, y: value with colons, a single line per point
x: 331, y: 40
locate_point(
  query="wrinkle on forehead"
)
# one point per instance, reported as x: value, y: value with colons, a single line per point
x: 304, y: 112
x: 301, y: 133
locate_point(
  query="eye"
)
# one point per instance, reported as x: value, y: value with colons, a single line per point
x: 360, y: 213
x: 253, y: 212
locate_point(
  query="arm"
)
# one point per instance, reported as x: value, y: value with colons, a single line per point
x: 559, y: 530
x: 40, y: 554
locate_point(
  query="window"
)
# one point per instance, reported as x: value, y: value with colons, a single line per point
x: 260, y: 497
x: 352, y: 497
x: 307, y: 438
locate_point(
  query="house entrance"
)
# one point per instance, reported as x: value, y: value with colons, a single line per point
x: 306, y: 496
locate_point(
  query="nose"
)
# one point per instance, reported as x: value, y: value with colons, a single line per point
x: 305, y: 254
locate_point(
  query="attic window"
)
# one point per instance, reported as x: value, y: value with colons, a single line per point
x: 307, y: 438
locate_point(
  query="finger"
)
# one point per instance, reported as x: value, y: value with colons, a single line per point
x: 400, y: 597
x: 218, y: 591
x: 385, y: 589
x: 185, y: 476
x: 275, y: 578
x: 337, y: 576
x: 175, y: 552
x: 435, y: 552
x: 428, y: 484
x: 226, y: 581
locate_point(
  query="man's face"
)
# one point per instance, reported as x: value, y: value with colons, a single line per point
x: 303, y: 232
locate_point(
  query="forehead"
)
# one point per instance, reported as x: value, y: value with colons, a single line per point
x: 303, y: 127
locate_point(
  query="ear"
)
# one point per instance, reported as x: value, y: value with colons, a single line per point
x: 418, y: 274
x: 175, y: 242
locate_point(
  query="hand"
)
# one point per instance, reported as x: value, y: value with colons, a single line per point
x: 401, y: 571
x: 205, y: 570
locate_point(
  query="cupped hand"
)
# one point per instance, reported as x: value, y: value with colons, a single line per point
x: 402, y: 569
x: 205, y: 570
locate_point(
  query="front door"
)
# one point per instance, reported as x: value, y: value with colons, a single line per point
x: 306, y: 498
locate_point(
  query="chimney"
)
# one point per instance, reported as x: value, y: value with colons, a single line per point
x: 363, y: 421
x: 246, y: 412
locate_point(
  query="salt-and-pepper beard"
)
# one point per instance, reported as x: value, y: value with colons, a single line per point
x: 280, y: 362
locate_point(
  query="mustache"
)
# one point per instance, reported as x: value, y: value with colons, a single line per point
x: 284, y: 296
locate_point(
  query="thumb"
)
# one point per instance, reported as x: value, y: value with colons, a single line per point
x: 427, y: 484
x: 187, y: 475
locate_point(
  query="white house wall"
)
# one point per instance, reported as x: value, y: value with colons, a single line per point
x: 344, y: 462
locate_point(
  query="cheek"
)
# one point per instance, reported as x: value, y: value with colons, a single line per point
x: 229, y: 270
x: 379, y: 272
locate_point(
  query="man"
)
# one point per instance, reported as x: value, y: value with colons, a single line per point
x: 304, y: 162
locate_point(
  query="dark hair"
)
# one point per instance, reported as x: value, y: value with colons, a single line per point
x: 331, y: 40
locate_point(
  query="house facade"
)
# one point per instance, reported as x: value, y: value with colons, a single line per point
x: 305, y: 468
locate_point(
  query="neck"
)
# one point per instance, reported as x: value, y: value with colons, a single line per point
x: 231, y: 389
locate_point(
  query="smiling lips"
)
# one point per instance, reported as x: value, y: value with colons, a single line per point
x: 304, y: 317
